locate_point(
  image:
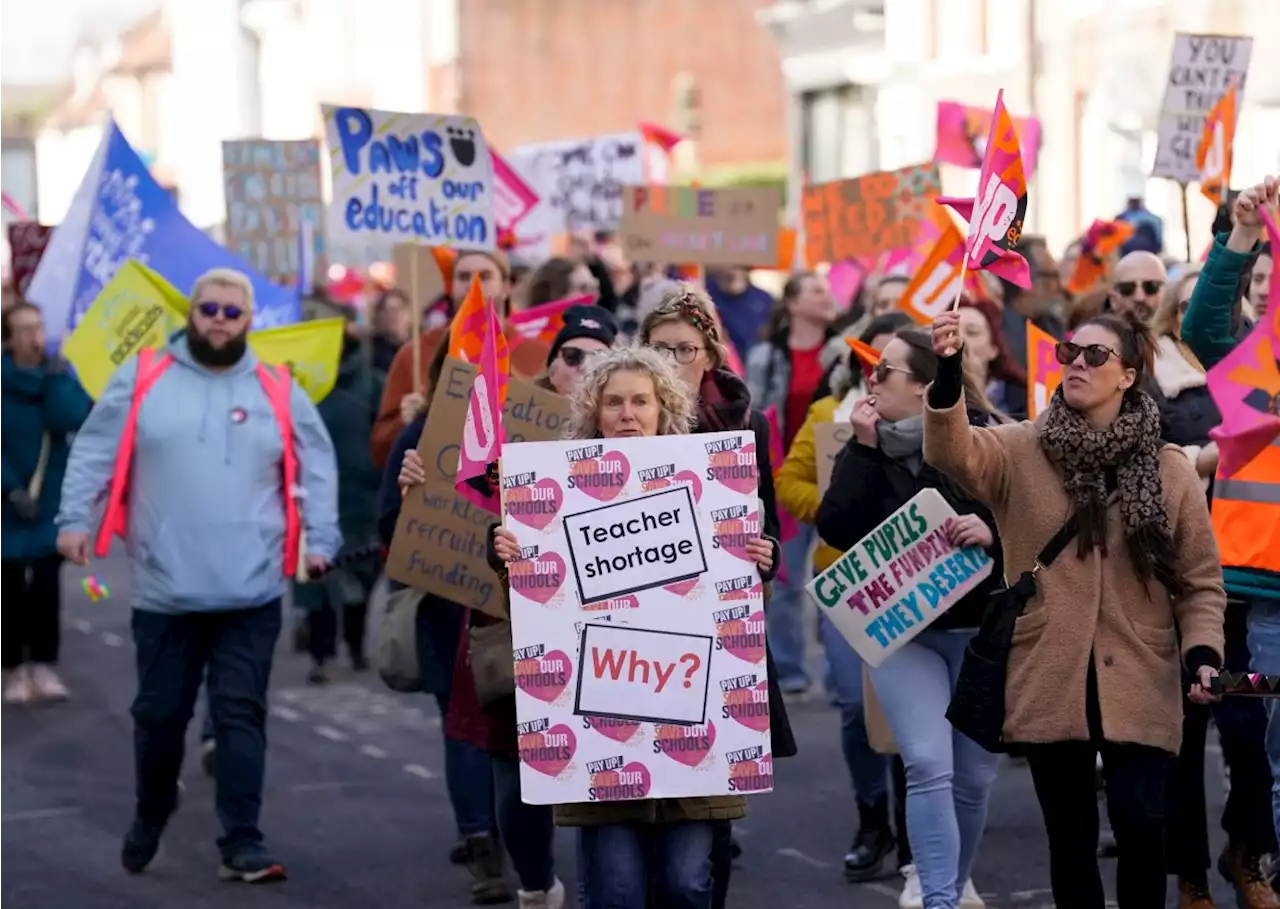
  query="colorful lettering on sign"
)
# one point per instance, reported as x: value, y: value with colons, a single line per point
x: 868, y: 215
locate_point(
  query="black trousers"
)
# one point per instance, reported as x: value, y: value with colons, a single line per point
x: 1136, y: 776
x: 1242, y: 727
x: 322, y: 630
x: 32, y: 610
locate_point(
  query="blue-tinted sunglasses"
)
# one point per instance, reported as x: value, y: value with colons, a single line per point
x: 229, y: 312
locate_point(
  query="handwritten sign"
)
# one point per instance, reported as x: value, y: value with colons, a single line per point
x: 829, y: 440
x: 899, y: 578
x: 398, y: 178
x: 272, y: 190
x: 701, y: 226
x: 1202, y: 68
x: 868, y: 215
x: 27, y: 240
x: 1044, y: 372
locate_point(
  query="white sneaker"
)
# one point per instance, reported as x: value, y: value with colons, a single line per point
x: 969, y: 898
x: 911, y: 897
x: 45, y: 684
x: 17, y: 686
x: 543, y: 899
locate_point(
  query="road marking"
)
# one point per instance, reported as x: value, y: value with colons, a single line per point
x: 419, y: 771
x: 288, y: 714
x: 82, y: 626
x: 111, y: 639
x: 883, y: 890
x: 333, y: 735
x: 40, y: 814
x: 372, y: 751
x: 290, y: 696
x: 801, y: 857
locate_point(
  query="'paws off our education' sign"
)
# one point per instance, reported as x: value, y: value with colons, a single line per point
x: 408, y: 178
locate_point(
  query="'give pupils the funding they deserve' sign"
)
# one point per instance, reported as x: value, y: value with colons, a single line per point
x: 899, y: 578
x: 409, y: 178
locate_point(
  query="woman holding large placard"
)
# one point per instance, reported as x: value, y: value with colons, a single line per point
x: 880, y: 469
x: 1094, y: 664
x: 631, y: 847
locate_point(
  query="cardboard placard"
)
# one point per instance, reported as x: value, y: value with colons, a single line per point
x: 1202, y: 69
x: 441, y: 539
x: 701, y: 226
x: 828, y: 441
x: 867, y: 215
x: 418, y: 274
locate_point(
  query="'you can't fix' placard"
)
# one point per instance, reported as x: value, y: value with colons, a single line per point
x: 899, y: 578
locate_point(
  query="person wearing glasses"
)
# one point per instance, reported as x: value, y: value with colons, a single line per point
x: 1140, y: 277
x: 1135, y: 597
x: 587, y: 331
x: 218, y: 470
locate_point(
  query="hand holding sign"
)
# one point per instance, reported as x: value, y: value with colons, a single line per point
x: 505, y: 544
x: 946, y: 334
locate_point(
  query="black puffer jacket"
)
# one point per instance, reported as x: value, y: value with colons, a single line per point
x: 1180, y: 390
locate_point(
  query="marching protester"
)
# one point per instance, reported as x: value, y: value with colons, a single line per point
x: 556, y: 279
x: 650, y: 851
x: 587, y: 331
x: 216, y: 468
x: 392, y: 321
x: 784, y: 372
x: 1139, y: 278
x: 744, y: 308
x: 879, y: 470
x: 1246, y: 518
x: 1134, y: 594
x: 43, y: 406
x: 1260, y: 281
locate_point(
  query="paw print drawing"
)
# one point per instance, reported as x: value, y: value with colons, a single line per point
x: 463, y: 143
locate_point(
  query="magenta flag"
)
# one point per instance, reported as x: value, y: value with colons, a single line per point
x: 482, y: 435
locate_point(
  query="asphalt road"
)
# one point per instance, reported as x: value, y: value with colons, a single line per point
x: 356, y: 804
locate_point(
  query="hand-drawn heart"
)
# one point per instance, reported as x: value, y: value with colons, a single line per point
x: 602, y: 478
x: 752, y: 776
x: 749, y: 706
x: 537, y: 505
x: 537, y: 579
x: 549, y: 752
x: 695, y: 481
x: 689, y: 745
x: 744, y: 638
x: 631, y: 782
x: 545, y: 677
x: 735, y: 469
x: 618, y: 730
x: 732, y: 535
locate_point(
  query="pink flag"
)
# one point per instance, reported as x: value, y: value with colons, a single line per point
x: 482, y: 432
x: 1246, y: 383
x: 543, y: 323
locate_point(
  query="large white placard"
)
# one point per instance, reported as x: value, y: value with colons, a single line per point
x: 647, y: 680
x: 1202, y: 69
x: 408, y: 178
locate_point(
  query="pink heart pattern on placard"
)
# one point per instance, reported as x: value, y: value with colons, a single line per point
x: 549, y: 752
x: 536, y: 505
x: 682, y: 588
x: 602, y: 478
x: 618, y: 730
x: 688, y: 745
x: 545, y: 677
x: 732, y: 535
x: 744, y: 638
x: 735, y: 469
x: 631, y: 782
x: 749, y: 706
x: 537, y: 579
x: 695, y: 481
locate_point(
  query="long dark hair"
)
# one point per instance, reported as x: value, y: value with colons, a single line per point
x: 550, y: 282
x: 1004, y: 367
x: 1137, y: 343
x: 923, y: 363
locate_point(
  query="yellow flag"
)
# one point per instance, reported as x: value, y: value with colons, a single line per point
x: 138, y: 308
x: 311, y: 350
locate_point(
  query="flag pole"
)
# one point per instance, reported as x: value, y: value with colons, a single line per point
x: 415, y: 321
x: 1186, y: 219
x: 955, y: 304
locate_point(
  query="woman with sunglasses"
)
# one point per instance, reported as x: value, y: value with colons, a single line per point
x: 1136, y: 595
x: 880, y: 469
x: 587, y: 331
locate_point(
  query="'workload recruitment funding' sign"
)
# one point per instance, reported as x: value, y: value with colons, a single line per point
x: 899, y: 578
x: 637, y: 618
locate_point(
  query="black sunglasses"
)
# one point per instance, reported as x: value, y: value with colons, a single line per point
x: 1094, y: 354
x: 229, y: 312
x: 575, y: 356
x: 882, y: 370
x: 1127, y: 288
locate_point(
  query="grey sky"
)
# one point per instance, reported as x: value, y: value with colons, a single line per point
x: 36, y: 39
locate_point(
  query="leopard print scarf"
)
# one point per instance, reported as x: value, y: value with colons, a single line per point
x: 1130, y: 446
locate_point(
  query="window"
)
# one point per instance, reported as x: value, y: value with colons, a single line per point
x: 839, y: 134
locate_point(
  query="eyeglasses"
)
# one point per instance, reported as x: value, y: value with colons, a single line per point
x: 1095, y: 355
x: 229, y: 312
x: 683, y: 354
x: 575, y: 356
x: 1128, y: 288
x: 882, y: 370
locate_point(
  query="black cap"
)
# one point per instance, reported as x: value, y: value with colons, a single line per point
x: 585, y: 322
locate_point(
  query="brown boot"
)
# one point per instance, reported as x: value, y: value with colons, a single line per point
x: 1194, y: 894
x: 1244, y: 871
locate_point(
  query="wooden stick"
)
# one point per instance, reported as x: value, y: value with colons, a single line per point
x: 415, y: 314
x: 1186, y: 220
x: 955, y: 304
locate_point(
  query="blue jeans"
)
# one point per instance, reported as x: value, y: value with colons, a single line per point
x: 528, y: 831
x: 622, y: 862
x: 1264, y: 649
x: 173, y: 652
x: 868, y: 770
x: 468, y: 776
x: 949, y: 777
x: 784, y: 619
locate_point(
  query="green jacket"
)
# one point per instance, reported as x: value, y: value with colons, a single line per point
x: 1212, y: 329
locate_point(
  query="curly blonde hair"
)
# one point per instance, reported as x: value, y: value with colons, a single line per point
x: 675, y: 404
x: 688, y: 303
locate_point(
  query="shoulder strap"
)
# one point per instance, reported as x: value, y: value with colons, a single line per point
x: 1059, y: 542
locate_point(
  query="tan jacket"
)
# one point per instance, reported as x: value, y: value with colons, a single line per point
x: 1096, y: 605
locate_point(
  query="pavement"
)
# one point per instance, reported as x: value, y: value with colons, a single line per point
x: 356, y: 803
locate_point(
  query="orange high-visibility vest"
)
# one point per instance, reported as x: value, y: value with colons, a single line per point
x: 277, y: 384
x: 1246, y: 513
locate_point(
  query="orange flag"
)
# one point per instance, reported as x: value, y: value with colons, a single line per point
x: 936, y: 282
x: 1102, y: 239
x: 466, y: 332
x: 1213, y: 157
x: 1044, y: 372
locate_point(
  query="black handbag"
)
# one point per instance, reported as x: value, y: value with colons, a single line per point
x: 977, y: 705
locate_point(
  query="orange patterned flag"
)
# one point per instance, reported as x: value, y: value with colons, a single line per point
x: 936, y: 282
x: 1044, y: 372
x: 466, y: 332
x: 1213, y: 157
x: 1101, y: 240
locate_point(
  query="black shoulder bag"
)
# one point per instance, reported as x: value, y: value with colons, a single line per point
x: 977, y: 705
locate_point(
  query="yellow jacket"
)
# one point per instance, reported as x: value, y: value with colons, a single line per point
x: 797, y: 481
